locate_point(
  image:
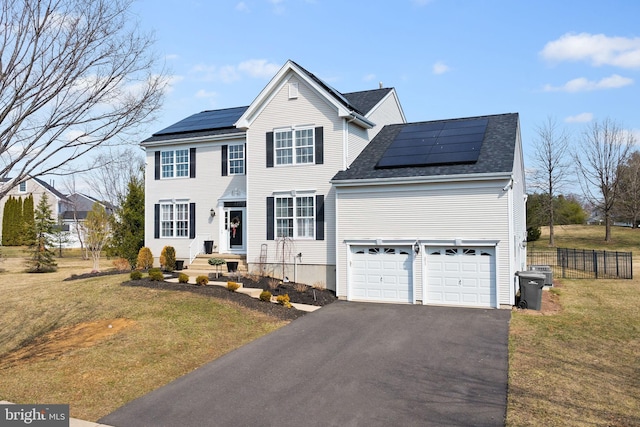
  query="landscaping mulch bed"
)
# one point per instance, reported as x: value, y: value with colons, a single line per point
x: 299, y: 293
x: 274, y: 310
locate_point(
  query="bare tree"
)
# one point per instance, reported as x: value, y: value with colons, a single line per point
x: 74, y: 75
x: 113, y: 171
x: 98, y: 233
x: 552, y: 167
x: 629, y: 206
x: 604, y: 149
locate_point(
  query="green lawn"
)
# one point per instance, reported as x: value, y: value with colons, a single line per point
x: 164, y: 335
x: 581, y: 366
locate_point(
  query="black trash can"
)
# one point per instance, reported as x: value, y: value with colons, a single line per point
x: 179, y: 264
x: 232, y: 266
x: 208, y: 246
x: 531, y: 284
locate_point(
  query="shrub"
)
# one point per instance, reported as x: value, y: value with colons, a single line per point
x: 145, y: 259
x: 233, y: 286
x: 300, y: 287
x: 202, y: 280
x: 319, y: 285
x: 156, y: 275
x: 273, y: 283
x: 284, y: 300
x: 135, y: 275
x: 265, y: 296
x: 121, y: 264
x: 533, y: 234
x: 183, y: 278
x: 168, y: 258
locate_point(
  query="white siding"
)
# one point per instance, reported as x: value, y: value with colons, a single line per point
x: 204, y: 190
x: 425, y: 212
x: 308, y: 109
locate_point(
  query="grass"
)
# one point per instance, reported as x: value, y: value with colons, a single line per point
x: 590, y: 237
x: 580, y: 366
x: 167, y: 335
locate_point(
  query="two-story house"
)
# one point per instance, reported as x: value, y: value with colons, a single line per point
x: 300, y: 182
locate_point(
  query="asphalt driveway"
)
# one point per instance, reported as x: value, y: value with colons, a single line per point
x: 348, y: 364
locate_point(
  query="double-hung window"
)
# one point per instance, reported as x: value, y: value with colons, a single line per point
x: 175, y: 163
x: 236, y: 159
x: 174, y: 219
x: 294, y: 146
x: 295, y: 217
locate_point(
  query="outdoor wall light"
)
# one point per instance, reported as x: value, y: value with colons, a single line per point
x: 416, y: 248
x: 212, y: 212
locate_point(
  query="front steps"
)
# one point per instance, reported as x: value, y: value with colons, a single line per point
x: 200, y: 265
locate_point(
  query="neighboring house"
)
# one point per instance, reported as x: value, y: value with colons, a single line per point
x: 272, y: 181
x: 34, y: 186
x: 72, y: 209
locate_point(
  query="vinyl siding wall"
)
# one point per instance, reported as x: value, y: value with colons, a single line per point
x: 308, y: 109
x: 425, y: 212
x: 204, y: 190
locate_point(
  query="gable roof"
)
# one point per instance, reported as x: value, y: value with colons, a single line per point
x: 365, y: 100
x: 496, y: 155
x: 51, y: 189
x: 343, y: 105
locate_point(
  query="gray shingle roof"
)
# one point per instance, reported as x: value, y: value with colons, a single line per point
x: 496, y: 154
x: 365, y: 100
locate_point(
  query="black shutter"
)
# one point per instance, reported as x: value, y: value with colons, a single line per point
x: 156, y: 221
x: 319, y: 143
x: 269, y: 149
x: 225, y: 151
x: 192, y: 162
x: 319, y: 217
x: 157, y: 165
x: 192, y: 220
x: 270, y: 218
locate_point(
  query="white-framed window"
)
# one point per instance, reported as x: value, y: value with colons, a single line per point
x: 236, y: 159
x: 23, y: 187
x: 174, y: 219
x: 295, y: 217
x: 294, y: 146
x: 175, y: 163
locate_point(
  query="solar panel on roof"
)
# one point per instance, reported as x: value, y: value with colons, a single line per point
x: 206, y: 120
x: 440, y: 143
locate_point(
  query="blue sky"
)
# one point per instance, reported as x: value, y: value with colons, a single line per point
x: 575, y: 61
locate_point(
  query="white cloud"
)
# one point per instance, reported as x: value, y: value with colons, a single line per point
x: 583, y: 84
x: 598, y: 49
x: 171, y: 57
x: 579, y: 118
x: 440, y: 68
x: 253, y: 68
x: 369, y: 77
x: 202, y: 93
x: 242, y: 7
x: 278, y: 6
x: 260, y: 68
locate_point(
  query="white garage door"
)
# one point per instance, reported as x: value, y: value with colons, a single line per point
x: 463, y: 276
x: 381, y: 273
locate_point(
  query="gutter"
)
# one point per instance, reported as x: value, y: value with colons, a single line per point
x: 420, y: 179
x: 208, y: 138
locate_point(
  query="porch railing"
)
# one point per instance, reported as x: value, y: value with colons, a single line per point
x: 196, y: 247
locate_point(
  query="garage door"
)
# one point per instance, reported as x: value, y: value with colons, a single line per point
x: 463, y: 276
x: 381, y: 273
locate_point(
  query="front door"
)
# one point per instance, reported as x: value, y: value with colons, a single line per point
x: 234, y: 227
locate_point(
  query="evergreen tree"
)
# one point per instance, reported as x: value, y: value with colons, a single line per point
x: 42, y: 257
x: 12, y: 222
x: 6, y: 222
x: 127, y: 224
x: 28, y: 221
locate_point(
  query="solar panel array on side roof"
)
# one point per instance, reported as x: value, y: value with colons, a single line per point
x: 206, y: 120
x: 439, y: 143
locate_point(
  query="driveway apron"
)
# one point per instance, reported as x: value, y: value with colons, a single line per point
x: 348, y: 364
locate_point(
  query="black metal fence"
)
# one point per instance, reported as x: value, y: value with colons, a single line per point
x: 584, y: 263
